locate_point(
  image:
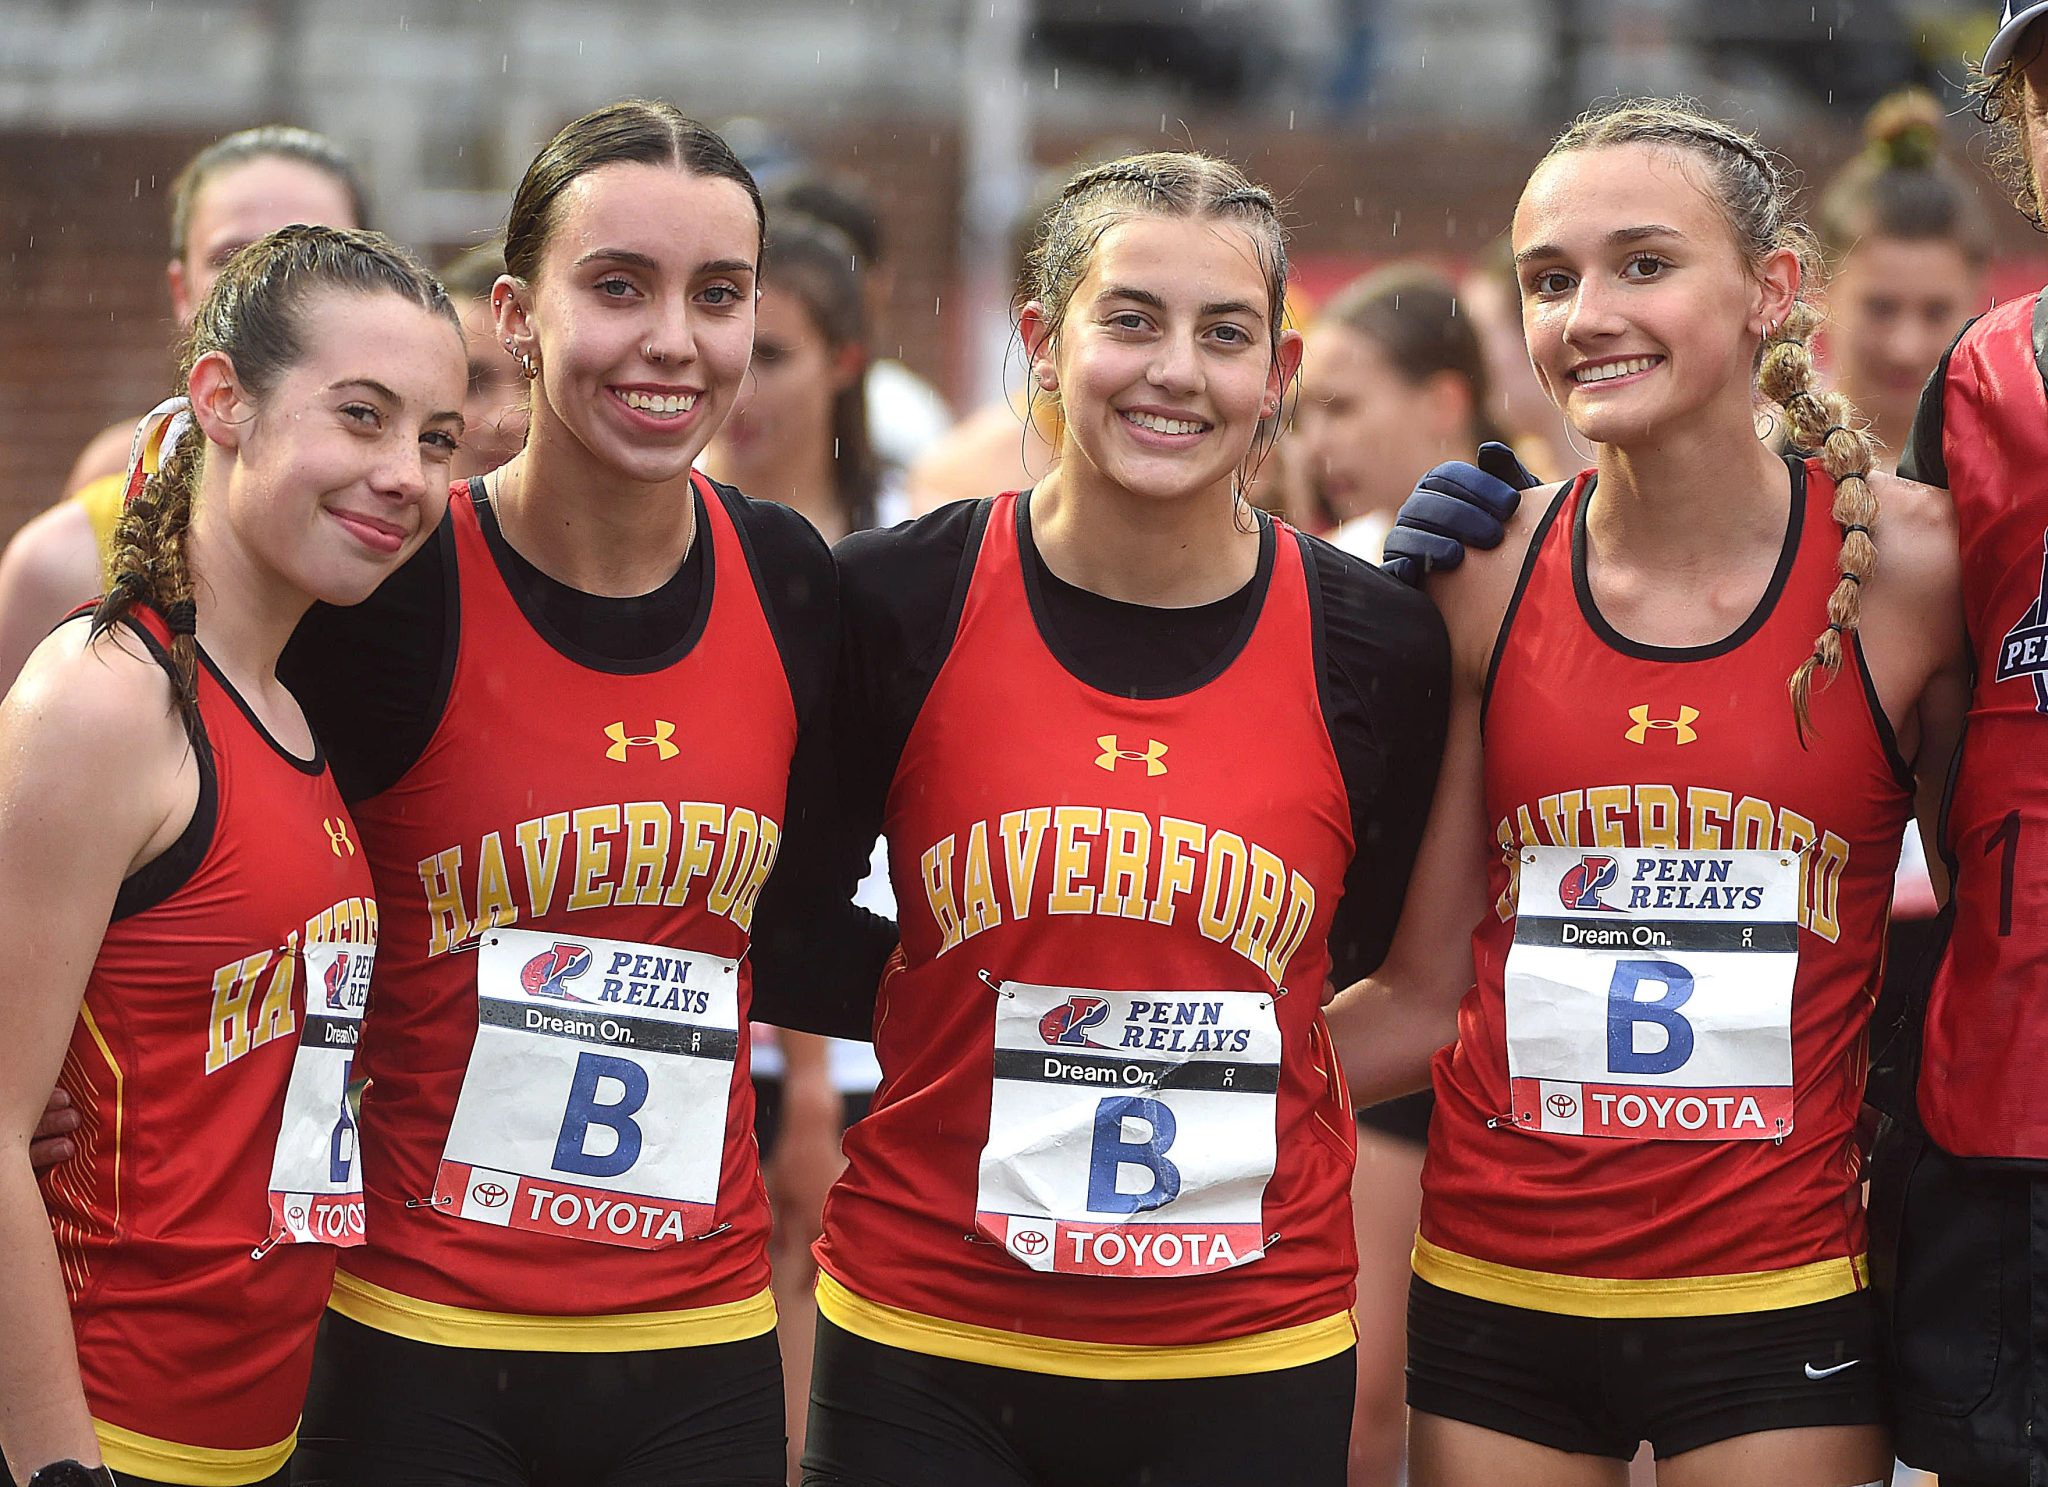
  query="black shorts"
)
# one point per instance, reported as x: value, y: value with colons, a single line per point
x: 1960, y: 1255
x: 886, y: 1417
x: 385, y: 1411
x: 1604, y: 1385
x: 1405, y: 1119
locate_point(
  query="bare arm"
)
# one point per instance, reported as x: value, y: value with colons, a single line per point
x: 79, y: 722
x: 1388, y: 1026
x: 50, y: 568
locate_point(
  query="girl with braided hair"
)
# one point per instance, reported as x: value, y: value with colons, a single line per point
x: 192, y: 919
x: 1687, y: 709
x: 1095, y: 1227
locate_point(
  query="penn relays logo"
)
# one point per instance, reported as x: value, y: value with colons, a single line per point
x: 2024, y: 651
x: 337, y: 982
x: 1066, y: 1026
x: 1580, y: 887
x: 546, y: 973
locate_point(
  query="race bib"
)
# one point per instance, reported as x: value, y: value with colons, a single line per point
x: 1649, y: 993
x: 594, y: 1105
x: 316, y: 1184
x: 1130, y: 1133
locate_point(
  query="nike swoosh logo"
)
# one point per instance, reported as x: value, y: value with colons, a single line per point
x: 1821, y: 1373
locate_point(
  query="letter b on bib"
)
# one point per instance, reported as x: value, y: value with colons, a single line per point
x: 1111, y: 1153
x: 572, y: 1153
x: 1626, y: 1008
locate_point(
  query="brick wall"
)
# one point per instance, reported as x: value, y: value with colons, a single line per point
x: 85, y: 325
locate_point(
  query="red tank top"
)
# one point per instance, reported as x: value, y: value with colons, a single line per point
x: 194, y: 1351
x: 1111, y: 1138
x: 558, y: 1136
x: 1986, y: 1039
x: 1650, y: 1107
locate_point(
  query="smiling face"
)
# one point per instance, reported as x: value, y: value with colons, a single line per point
x: 1164, y: 361
x: 242, y: 203
x: 341, y: 468
x: 640, y: 316
x: 1643, y: 313
x: 1894, y: 305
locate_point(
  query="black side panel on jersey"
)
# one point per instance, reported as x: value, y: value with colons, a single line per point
x: 1922, y: 458
x: 172, y: 868
x: 1507, y: 620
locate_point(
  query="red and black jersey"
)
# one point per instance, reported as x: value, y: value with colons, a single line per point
x: 1983, y: 433
x: 584, y: 798
x: 195, y: 1335
x: 1670, y: 1204
x: 1046, y: 833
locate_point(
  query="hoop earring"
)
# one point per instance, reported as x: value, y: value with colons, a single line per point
x: 527, y: 368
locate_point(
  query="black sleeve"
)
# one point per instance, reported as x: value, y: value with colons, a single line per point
x: 1922, y: 459
x: 374, y: 677
x: 817, y: 955
x: 1386, y: 677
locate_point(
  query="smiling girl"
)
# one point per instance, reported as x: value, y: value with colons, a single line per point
x: 1641, y: 1217
x: 181, y: 875
x: 1095, y: 1227
x: 571, y: 734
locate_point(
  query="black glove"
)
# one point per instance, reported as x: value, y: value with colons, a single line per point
x: 69, y: 1473
x: 1453, y: 507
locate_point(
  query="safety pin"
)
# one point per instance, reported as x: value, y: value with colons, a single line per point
x: 433, y: 1202
x: 993, y: 985
x: 267, y: 1246
x: 712, y: 1233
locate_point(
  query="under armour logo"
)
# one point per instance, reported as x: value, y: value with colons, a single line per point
x: 337, y: 836
x: 664, y: 730
x: 1681, y: 725
x: 1153, y: 754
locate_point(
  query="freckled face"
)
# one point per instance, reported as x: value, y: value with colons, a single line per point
x: 1640, y: 310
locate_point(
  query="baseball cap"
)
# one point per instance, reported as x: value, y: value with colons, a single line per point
x: 2012, y: 22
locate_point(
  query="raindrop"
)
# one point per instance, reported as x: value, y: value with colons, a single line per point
x: 1290, y: 120
x: 504, y: 62
x: 1055, y: 80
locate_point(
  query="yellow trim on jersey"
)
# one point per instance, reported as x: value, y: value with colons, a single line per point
x: 120, y: 1100
x: 1679, y: 1296
x: 612, y: 1332
x: 1262, y: 1352
x: 141, y: 1455
x: 103, y: 500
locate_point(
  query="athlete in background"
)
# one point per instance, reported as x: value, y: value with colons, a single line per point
x: 576, y: 732
x: 199, y: 939
x: 1125, y: 1256
x: 494, y: 412
x: 1393, y: 378
x: 1642, y: 1223
x: 228, y: 195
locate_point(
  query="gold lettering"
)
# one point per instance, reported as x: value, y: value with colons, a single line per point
x: 694, y: 855
x: 978, y: 907
x: 1023, y: 833
x: 742, y: 831
x: 1709, y: 810
x: 1178, y: 842
x: 276, y: 1018
x: 646, y: 833
x: 1753, y: 821
x: 540, y: 846
x: 1223, y: 887
x: 1608, y: 805
x: 1262, y: 906
x: 1657, y: 816
x: 1070, y: 859
x: 936, y: 867
x: 447, y: 919
x: 494, y: 902
x: 1301, y: 909
x: 227, y: 1034
x: 764, y: 864
x: 592, y: 823
x: 1126, y: 856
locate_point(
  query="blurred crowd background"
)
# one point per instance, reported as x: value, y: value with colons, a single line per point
x: 1394, y: 127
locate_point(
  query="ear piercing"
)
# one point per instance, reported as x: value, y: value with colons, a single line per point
x: 527, y: 367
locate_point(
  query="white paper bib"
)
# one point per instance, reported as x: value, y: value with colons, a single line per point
x: 594, y: 1105
x: 1130, y: 1133
x: 316, y: 1183
x: 1649, y: 993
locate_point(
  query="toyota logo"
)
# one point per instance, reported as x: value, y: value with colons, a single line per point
x: 490, y: 1195
x: 296, y: 1215
x: 1564, y: 1107
x: 1030, y: 1242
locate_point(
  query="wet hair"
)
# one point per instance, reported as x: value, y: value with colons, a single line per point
x: 637, y: 131
x: 268, y: 142
x: 471, y: 273
x: 820, y: 266
x: 1754, y: 189
x: 2001, y: 99
x: 1410, y: 312
x: 1167, y: 183
x: 255, y: 316
x: 1903, y: 186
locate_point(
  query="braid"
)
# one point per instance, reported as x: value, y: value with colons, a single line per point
x: 1824, y: 422
x: 148, y: 567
